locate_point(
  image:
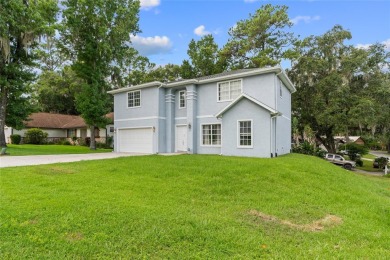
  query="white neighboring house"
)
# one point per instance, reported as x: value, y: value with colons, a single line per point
x: 243, y: 113
x: 59, y: 126
x: 8, y: 133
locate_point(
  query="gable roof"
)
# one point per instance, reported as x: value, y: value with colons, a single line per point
x: 272, y: 111
x: 213, y: 78
x: 56, y: 121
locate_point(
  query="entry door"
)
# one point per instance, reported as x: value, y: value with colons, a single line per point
x: 181, y: 138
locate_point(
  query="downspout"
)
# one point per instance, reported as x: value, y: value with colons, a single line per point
x: 276, y: 105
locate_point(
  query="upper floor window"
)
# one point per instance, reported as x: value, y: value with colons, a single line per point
x: 134, y: 98
x: 229, y: 90
x: 182, y: 99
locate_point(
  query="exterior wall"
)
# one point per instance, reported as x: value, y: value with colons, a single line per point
x: 149, y: 105
x: 283, y: 122
x: 261, y: 130
x: 261, y: 88
x: 51, y: 132
x: 149, y: 114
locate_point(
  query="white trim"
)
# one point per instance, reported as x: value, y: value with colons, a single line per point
x: 185, y: 99
x: 201, y: 136
x: 180, y: 118
x: 140, y: 118
x: 238, y: 134
x: 285, y: 117
x: 127, y: 98
x: 230, y: 99
x: 206, y: 116
x: 243, y: 95
x: 136, y: 87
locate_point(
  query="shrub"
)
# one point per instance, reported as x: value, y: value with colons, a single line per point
x: 356, y: 150
x: 66, y: 142
x: 307, y: 148
x: 35, y: 136
x: 87, y: 141
x: 15, y: 139
x: 359, y: 162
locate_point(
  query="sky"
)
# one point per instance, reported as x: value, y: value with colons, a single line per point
x: 169, y: 25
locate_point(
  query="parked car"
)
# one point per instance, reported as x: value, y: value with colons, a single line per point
x: 378, y: 160
x: 339, y: 160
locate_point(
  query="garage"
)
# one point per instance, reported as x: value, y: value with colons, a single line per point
x: 135, y: 140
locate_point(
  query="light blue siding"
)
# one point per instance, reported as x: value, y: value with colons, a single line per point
x: 160, y: 111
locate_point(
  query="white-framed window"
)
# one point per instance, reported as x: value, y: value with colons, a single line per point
x: 229, y: 90
x: 211, y: 135
x: 134, y: 98
x: 182, y: 99
x: 245, y: 134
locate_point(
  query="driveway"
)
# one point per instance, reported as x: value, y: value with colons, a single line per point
x: 11, y: 161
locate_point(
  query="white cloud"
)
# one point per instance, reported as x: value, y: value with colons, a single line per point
x: 201, y: 30
x: 367, y: 45
x: 149, y: 4
x: 305, y: 19
x: 251, y: 1
x: 151, y: 45
x: 387, y: 44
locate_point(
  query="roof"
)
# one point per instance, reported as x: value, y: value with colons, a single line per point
x: 57, y: 121
x: 257, y: 102
x: 213, y: 78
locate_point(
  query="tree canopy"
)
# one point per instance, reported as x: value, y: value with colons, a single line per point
x: 22, y: 22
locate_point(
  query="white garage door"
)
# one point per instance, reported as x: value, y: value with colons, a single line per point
x: 138, y: 140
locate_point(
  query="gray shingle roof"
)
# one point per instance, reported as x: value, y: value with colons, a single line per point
x: 226, y: 73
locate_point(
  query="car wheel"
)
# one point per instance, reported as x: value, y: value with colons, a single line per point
x: 348, y: 166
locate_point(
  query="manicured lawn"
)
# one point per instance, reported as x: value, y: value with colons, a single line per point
x: 30, y: 149
x: 369, y: 156
x: 193, y: 206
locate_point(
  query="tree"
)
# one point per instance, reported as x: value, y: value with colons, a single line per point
x: 96, y: 34
x: 56, y: 91
x: 261, y: 40
x: 337, y: 85
x: 22, y: 22
x: 204, y: 56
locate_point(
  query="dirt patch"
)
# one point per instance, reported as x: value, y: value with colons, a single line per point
x: 326, y: 222
x: 74, y: 236
x: 57, y: 170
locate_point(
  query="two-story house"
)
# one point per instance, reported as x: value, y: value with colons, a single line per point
x: 243, y: 113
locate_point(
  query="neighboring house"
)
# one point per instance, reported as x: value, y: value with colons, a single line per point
x: 8, y: 133
x: 352, y: 139
x: 59, y: 126
x: 243, y: 113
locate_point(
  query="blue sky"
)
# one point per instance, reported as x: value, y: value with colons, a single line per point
x: 169, y: 25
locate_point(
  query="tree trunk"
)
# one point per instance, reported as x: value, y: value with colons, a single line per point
x: 3, y: 111
x: 92, y: 144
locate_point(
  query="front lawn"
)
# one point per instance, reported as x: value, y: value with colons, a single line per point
x: 193, y: 206
x: 32, y: 149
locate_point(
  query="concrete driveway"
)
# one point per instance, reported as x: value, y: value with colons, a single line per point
x: 11, y: 161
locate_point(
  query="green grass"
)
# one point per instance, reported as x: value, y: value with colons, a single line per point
x: 369, y: 156
x: 191, y: 206
x: 31, y: 149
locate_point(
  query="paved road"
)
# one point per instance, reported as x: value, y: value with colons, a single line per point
x: 380, y: 153
x: 10, y: 161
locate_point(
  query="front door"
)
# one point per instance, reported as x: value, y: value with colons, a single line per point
x: 181, y: 138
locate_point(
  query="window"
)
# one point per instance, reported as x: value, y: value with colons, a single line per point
x: 182, y: 99
x: 229, y: 90
x: 70, y: 133
x: 111, y: 129
x: 245, y: 133
x: 211, y: 134
x: 134, y: 98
